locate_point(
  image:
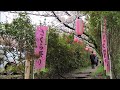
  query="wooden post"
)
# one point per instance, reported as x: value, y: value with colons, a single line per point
x: 101, y: 42
x: 27, y: 66
x: 109, y: 57
x: 32, y: 68
x: 110, y: 63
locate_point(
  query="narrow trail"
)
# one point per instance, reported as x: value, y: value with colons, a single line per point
x: 84, y: 74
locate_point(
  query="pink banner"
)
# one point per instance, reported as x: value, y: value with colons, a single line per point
x: 41, y: 47
x: 105, y: 49
x: 40, y: 63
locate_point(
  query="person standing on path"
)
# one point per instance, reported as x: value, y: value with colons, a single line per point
x: 96, y: 59
x: 92, y: 58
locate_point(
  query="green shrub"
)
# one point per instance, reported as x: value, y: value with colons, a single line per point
x: 63, y: 56
x: 99, y: 74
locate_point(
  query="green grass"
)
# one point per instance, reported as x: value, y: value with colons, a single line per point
x: 1, y: 70
x: 99, y: 74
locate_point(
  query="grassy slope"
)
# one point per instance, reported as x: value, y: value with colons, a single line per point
x: 99, y: 74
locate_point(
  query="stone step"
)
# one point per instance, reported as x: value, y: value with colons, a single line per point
x: 83, y: 73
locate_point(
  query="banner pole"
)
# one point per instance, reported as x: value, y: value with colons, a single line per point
x: 27, y: 66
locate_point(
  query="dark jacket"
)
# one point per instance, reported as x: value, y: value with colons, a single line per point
x: 92, y: 58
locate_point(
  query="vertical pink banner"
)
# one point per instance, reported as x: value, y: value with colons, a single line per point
x: 41, y: 47
x: 40, y: 62
x: 105, y: 49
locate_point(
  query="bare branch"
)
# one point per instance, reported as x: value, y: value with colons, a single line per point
x: 74, y: 29
x: 67, y: 13
x: 34, y: 14
x: 61, y: 21
x: 66, y: 24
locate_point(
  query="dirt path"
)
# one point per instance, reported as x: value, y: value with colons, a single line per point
x: 84, y: 74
